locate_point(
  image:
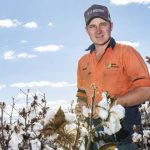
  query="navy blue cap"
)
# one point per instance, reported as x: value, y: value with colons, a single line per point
x: 97, y: 11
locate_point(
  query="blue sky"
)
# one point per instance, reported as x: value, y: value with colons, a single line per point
x: 42, y: 40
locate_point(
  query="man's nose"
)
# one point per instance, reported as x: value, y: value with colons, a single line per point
x: 98, y: 29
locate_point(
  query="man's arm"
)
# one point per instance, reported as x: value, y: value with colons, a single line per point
x: 135, y: 97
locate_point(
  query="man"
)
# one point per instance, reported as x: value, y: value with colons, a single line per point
x: 116, y: 68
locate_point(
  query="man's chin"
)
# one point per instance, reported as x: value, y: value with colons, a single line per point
x: 102, y: 42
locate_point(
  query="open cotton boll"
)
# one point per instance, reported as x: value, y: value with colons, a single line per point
x: 37, y: 126
x: 146, y: 133
x: 70, y: 117
x: 107, y: 130
x: 114, y: 123
x: 15, y: 140
x: 139, y: 137
x: 49, y: 116
x: 82, y: 146
x: 105, y: 102
x: 70, y: 128
x: 119, y: 110
x: 35, y: 144
x: 103, y: 113
x: 86, y: 111
x: 136, y: 137
x: 52, y: 137
x: 83, y: 132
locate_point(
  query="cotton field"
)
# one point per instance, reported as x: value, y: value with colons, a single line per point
x: 38, y: 126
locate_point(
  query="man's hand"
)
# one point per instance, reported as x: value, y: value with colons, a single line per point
x: 95, y: 113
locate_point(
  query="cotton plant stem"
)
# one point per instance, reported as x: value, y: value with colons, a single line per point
x: 2, y: 126
x: 90, y: 137
x: 77, y: 136
x: 13, y: 104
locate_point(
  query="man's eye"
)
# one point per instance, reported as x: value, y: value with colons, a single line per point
x: 92, y: 26
x: 103, y: 24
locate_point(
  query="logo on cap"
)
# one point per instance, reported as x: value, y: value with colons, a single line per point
x: 97, y: 11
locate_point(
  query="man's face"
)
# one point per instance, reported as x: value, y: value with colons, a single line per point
x: 99, y: 31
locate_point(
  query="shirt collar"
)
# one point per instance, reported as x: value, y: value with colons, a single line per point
x: 111, y: 44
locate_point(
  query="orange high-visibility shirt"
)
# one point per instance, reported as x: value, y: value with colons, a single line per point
x: 120, y: 69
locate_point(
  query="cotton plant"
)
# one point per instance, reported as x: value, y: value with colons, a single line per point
x: 110, y: 116
x: 16, y: 139
x: 69, y: 132
x: 45, y: 128
x: 136, y: 137
x: 35, y: 144
x: 145, y: 119
x: 109, y: 112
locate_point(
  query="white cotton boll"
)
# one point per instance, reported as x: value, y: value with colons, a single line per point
x: 15, y: 140
x: 103, y: 113
x: 32, y: 115
x: 114, y: 123
x: 146, y: 133
x: 36, y: 144
x: 135, y: 137
x: 34, y: 134
x: 82, y: 146
x: 49, y: 116
x: 70, y: 128
x: 83, y: 132
x: 51, y: 137
x: 27, y: 109
x: 119, y: 110
x: 107, y: 130
x: 146, y: 105
x: 5, y: 134
x: 37, y: 126
x: 70, y: 117
x: 104, y: 103
x: 139, y: 137
x: 86, y: 111
x: 148, y: 110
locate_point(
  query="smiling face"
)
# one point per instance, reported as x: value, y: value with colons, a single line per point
x: 99, y: 31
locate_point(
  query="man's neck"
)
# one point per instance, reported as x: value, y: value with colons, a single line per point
x: 101, y: 48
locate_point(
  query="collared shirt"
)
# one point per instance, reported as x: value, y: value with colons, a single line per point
x: 119, y: 70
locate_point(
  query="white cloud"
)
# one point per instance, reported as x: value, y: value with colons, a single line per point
x: 135, y: 45
x: 8, y: 23
x: 24, y: 41
x: 49, y: 48
x: 50, y: 24
x: 148, y: 7
x: 25, y: 55
x: 42, y: 84
x: 2, y: 86
x: 125, y: 2
x: 31, y: 25
x: 11, y: 55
